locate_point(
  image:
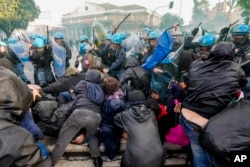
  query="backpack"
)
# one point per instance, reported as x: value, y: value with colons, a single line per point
x: 95, y: 93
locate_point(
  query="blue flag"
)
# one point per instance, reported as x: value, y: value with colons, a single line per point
x: 163, y: 48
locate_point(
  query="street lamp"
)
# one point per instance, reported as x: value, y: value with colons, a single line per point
x: 170, y: 5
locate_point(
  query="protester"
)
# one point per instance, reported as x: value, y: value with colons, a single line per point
x: 143, y: 135
x: 135, y: 77
x: 18, y: 147
x: 213, y: 84
x: 86, y: 114
x: 114, y: 103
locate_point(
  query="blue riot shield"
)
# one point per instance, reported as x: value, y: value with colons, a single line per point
x: 59, y: 59
x: 21, y: 50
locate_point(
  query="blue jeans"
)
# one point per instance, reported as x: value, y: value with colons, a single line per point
x: 201, y: 158
x: 18, y: 69
x: 44, y: 76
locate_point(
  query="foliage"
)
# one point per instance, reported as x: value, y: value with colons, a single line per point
x: 200, y: 10
x: 231, y: 4
x: 16, y: 14
x: 169, y: 20
x: 245, y: 5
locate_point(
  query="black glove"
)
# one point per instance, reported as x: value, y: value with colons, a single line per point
x: 224, y: 31
x: 195, y: 31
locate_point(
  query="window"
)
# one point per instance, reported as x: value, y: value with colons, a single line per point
x: 86, y: 8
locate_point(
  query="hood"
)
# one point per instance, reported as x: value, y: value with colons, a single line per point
x: 15, y: 99
x: 131, y: 62
x: 222, y: 51
x: 140, y: 112
x: 93, y: 76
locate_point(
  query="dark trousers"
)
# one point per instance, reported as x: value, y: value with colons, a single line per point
x: 80, y: 118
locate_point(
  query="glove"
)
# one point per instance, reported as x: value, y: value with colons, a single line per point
x: 195, y: 31
x: 224, y: 31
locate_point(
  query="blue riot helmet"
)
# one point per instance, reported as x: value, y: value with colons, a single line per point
x: 12, y: 40
x: 84, y: 48
x: 38, y: 43
x: 207, y: 40
x: 240, y: 33
x: 116, y: 38
x: 84, y: 38
x: 123, y: 35
x: 58, y: 35
x: 152, y: 35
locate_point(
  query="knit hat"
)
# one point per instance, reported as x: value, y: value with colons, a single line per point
x: 69, y: 71
x: 136, y: 97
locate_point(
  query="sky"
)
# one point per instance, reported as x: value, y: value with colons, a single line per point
x: 182, y: 8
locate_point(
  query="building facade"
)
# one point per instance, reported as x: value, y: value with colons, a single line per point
x: 82, y: 19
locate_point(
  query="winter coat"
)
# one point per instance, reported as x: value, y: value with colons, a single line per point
x: 144, y: 148
x: 89, y: 94
x: 140, y: 78
x: 18, y: 147
x: 64, y: 84
x: 213, y: 83
x: 228, y: 132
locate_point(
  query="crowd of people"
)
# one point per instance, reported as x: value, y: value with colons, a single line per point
x: 106, y: 96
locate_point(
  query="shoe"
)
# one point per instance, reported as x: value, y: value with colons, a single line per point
x: 97, y: 161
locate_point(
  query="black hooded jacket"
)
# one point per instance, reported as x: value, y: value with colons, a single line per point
x: 144, y: 148
x: 214, y: 83
x: 140, y: 78
x: 84, y: 98
x: 64, y: 84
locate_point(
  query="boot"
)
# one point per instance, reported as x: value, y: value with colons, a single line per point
x: 97, y: 161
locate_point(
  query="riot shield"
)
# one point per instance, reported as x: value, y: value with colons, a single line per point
x: 98, y: 33
x: 59, y: 59
x: 132, y: 45
x: 21, y: 50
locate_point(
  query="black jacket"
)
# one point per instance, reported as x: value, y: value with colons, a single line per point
x: 64, y: 84
x: 82, y: 90
x: 144, y: 147
x: 140, y: 78
x: 42, y: 60
x: 213, y: 85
